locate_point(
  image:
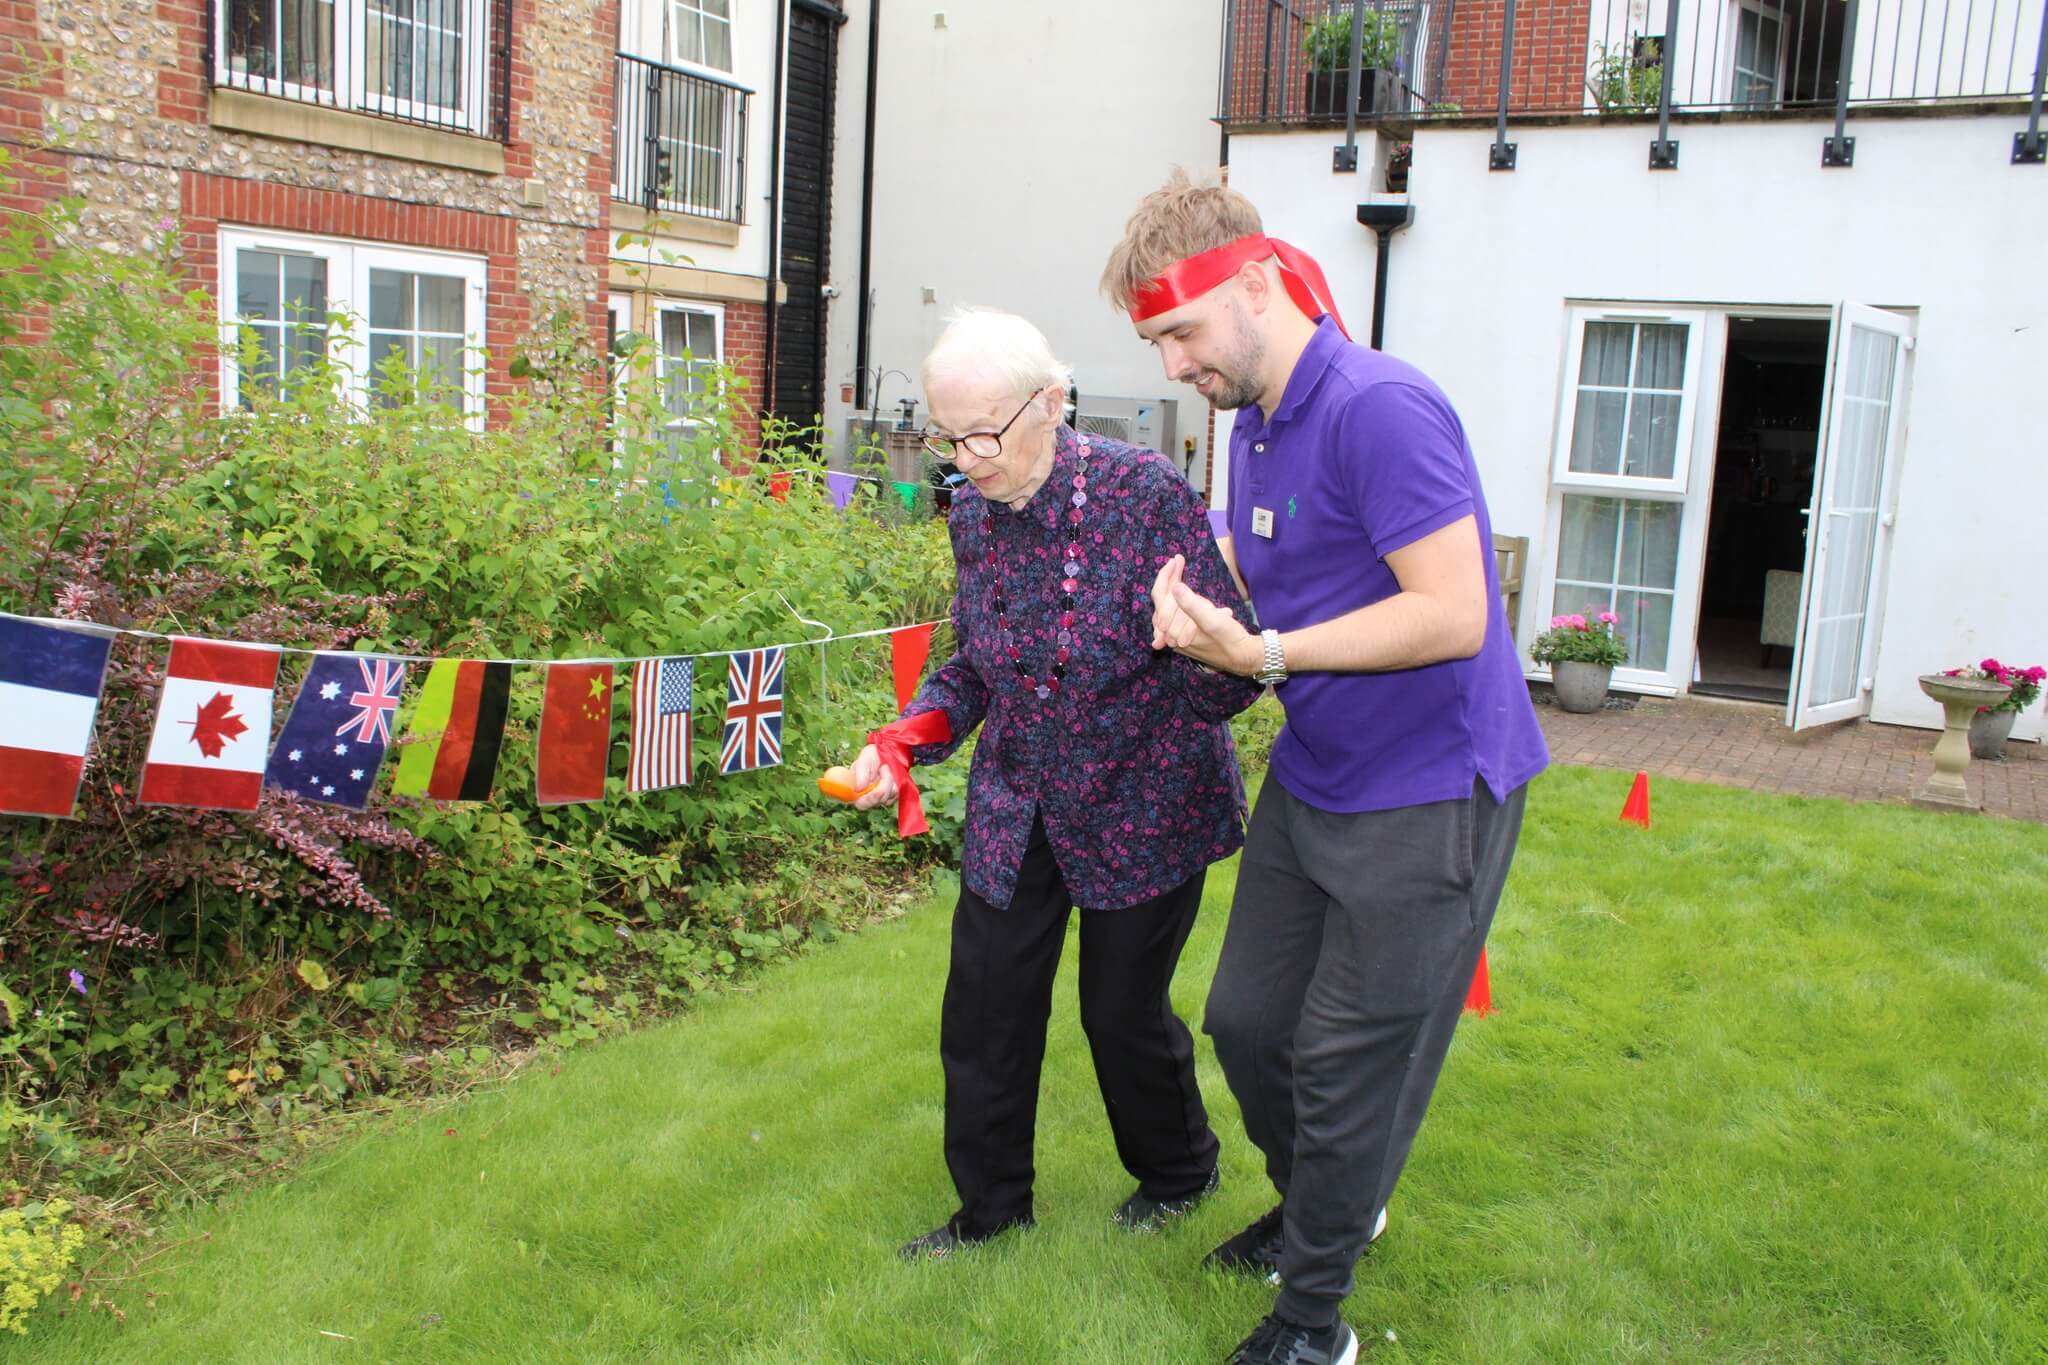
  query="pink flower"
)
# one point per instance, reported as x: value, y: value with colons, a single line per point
x: 1556, y: 622
x: 1608, y: 618
x: 1576, y: 621
x: 1991, y: 666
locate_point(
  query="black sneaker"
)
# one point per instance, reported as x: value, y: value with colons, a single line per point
x: 1256, y: 1250
x: 1139, y: 1214
x: 949, y: 1237
x: 1276, y: 1341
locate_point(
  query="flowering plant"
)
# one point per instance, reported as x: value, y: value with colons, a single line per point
x: 2024, y: 682
x: 1574, y: 639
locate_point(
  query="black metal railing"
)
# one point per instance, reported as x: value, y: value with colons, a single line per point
x: 438, y: 63
x: 1289, y: 61
x: 679, y: 141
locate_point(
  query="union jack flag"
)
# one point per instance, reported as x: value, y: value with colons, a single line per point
x: 753, y: 711
x: 376, y: 703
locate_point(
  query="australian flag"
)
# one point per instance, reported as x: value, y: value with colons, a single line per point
x: 335, y: 738
x: 753, y: 711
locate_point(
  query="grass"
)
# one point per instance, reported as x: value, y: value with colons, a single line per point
x: 1766, y: 1082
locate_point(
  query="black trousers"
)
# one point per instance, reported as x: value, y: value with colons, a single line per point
x: 992, y: 1039
x: 1352, y: 941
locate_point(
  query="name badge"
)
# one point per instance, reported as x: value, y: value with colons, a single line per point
x: 1262, y: 522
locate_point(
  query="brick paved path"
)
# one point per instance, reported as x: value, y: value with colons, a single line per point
x: 1746, y: 745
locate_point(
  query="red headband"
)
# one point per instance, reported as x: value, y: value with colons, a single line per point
x: 1188, y: 280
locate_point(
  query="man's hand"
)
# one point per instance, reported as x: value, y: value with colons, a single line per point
x: 1188, y: 623
x: 868, y: 771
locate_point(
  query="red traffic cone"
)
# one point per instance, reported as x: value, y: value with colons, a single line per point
x: 1636, y: 810
x: 1479, y: 998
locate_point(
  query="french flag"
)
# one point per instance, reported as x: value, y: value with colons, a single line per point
x: 212, y: 737
x: 50, y: 680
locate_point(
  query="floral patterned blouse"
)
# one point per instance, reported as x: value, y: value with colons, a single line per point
x: 1127, y: 756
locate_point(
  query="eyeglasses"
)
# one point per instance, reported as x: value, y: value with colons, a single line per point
x: 982, y: 445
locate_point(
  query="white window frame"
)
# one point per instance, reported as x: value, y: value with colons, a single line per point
x: 1562, y: 475
x: 657, y: 311
x: 348, y: 292
x: 351, y: 66
x: 668, y: 28
x: 1775, y: 14
x: 1567, y: 482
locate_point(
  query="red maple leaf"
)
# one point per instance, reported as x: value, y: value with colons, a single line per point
x: 215, y: 724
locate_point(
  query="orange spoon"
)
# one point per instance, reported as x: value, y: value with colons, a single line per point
x: 837, y: 783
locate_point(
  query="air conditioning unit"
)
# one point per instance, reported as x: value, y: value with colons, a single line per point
x: 1145, y: 422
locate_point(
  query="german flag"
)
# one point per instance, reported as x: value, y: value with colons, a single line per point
x: 451, y: 751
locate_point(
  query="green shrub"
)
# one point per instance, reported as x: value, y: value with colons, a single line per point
x: 300, y: 958
x: 37, y: 1248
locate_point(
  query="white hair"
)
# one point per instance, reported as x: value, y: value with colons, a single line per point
x: 1000, y: 346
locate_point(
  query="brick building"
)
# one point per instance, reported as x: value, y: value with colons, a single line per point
x: 447, y: 173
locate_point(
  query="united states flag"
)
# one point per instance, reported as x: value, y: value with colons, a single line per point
x: 753, y: 711
x: 660, y: 749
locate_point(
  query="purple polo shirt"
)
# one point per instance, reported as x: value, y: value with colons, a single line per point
x: 1363, y: 456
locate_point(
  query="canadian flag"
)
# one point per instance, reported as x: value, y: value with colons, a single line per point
x: 212, y: 735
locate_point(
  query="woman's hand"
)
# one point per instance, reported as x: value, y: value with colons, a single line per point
x: 868, y: 772
x: 1188, y: 623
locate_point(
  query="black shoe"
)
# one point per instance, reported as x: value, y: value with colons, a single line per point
x: 1256, y: 1250
x: 949, y: 1237
x: 1139, y: 1214
x: 1277, y: 1341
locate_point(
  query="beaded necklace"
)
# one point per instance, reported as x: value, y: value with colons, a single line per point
x: 1064, y: 633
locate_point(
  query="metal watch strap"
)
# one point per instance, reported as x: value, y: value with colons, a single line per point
x: 1273, y: 669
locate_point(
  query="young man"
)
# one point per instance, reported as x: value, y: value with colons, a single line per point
x: 1383, y: 835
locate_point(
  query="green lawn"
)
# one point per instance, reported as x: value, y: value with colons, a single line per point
x: 1767, y: 1082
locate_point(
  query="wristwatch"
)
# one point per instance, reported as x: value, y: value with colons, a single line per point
x: 1273, y: 671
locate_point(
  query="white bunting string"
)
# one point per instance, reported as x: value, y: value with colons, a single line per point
x: 832, y: 638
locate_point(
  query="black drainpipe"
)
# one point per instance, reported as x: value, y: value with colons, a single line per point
x: 1385, y: 220
x: 867, y: 212
x: 774, y: 205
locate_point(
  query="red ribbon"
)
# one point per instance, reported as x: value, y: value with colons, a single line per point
x: 1185, y: 281
x: 895, y: 741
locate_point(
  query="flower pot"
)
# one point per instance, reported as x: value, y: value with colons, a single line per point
x: 1988, y: 733
x: 1379, y: 92
x: 1580, y: 687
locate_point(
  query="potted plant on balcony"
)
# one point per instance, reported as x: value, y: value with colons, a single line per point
x: 1326, y: 44
x: 1992, y: 725
x: 1399, y: 157
x: 1582, y: 655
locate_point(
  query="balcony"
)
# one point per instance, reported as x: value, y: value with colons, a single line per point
x: 442, y: 64
x: 680, y: 141
x: 1288, y: 62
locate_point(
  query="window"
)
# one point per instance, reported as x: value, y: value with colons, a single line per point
x: 420, y: 60
x: 281, y: 297
x: 1630, y: 389
x: 689, y: 347
x: 407, y: 322
x: 1621, y: 555
x: 1759, y: 55
x: 1623, y: 451
x: 699, y: 33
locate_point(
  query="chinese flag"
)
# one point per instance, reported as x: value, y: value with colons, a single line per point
x: 575, y: 733
x: 908, y: 649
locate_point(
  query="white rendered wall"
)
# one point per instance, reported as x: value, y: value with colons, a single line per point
x: 1932, y: 219
x: 1011, y: 145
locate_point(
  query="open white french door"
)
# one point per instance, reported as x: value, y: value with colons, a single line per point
x: 1849, y: 524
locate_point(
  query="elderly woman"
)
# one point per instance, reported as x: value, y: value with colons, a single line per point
x: 1104, y: 778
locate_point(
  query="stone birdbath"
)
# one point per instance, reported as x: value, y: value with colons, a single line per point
x: 1959, y: 698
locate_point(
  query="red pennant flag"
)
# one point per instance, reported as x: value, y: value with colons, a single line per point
x: 908, y: 650
x: 575, y: 733
x: 212, y: 736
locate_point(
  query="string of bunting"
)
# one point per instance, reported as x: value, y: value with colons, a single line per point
x: 211, y: 745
